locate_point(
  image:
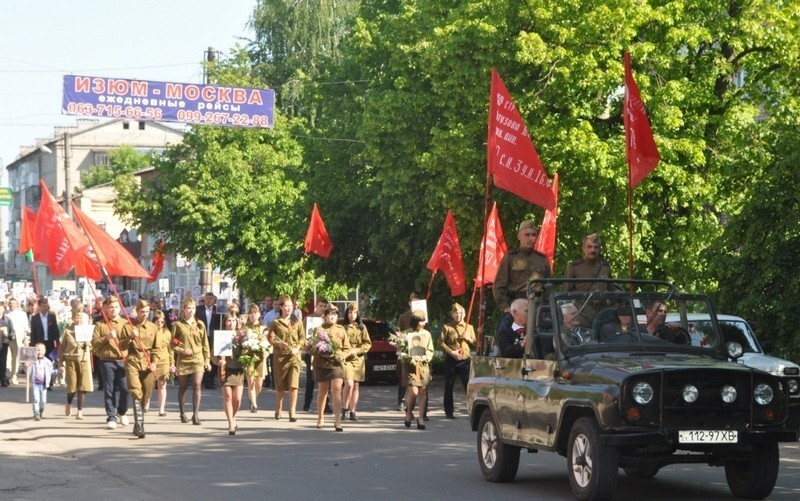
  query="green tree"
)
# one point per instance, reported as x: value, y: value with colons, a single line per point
x: 121, y: 161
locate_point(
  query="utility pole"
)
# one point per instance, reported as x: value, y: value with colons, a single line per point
x: 206, y: 270
x: 68, y: 172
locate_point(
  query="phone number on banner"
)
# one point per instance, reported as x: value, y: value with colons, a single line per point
x: 189, y: 116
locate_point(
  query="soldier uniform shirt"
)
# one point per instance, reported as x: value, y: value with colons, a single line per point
x: 586, y: 268
x: 513, y: 273
x: 450, y: 339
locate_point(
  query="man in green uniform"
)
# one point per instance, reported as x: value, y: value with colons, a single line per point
x: 516, y: 269
x: 592, y: 265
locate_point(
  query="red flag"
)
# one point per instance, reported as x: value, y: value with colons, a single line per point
x: 317, y: 239
x: 110, y: 254
x: 158, y: 262
x: 512, y: 158
x: 496, y: 248
x: 447, y: 257
x: 27, y: 224
x: 546, y: 241
x: 640, y: 147
x: 86, y: 266
x: 57, y: 240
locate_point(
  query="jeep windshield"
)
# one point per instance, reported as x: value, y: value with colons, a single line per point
x: 653, y: 317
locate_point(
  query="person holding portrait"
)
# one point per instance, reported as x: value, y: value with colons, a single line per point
x: 416, y: 368
x: 75, y: 361
x: 287, y: 336
x: 231, y: 374
x: 192, y: 357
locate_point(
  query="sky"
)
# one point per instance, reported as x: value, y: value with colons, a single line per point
x: 43, y: 40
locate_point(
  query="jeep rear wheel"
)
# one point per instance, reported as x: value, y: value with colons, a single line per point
x: 592, y: 467
x: 754, y: 478
x: 499, y: 461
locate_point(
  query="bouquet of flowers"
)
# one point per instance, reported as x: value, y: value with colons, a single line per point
x: 400, y: 342
x: 322, y: 344
x: 252, y: 348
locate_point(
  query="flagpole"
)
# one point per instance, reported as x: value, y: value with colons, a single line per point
x: 35, y: 279
x: 626, y: 124
x: 430, y: 286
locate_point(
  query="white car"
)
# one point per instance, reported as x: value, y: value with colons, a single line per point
x: 737, y: 329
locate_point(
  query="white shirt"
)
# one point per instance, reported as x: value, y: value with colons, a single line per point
x: 19, y: 321
x: 44, y: 325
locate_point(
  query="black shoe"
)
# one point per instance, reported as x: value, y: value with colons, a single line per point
x: 420, y: 426
x: 344, y: 413
x: 306, y: 407
x: 292, y: 419
x: 195, y: 420
x: 407, y: 424
x: 231, y: 432
x: 353, y: 416
x: 338, y: 429
x: 183, y: 418
x: 277, y: 416
x: 449, y: 416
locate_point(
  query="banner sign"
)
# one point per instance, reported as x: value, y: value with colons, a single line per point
x: 168, y: 101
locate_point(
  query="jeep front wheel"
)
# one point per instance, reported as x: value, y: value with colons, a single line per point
x: 592, y: 467
x: 754, y: 478
x: 499, y: 461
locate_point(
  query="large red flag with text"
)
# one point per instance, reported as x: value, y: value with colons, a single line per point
x: 512, y: 158
x: 111, y: 255
x: 57, y: 240
x: 493, y: 251
x: 27, y: 223
x: 447, y: 257
x: 317, y: 239
x: 640, y: 147
x: 158, y: 262
x: 546, y: 241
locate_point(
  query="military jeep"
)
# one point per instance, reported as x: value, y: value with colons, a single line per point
x: 634, y: 393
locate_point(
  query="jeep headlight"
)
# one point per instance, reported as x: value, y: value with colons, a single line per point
x: 690, y: 393
x: 763, y: 394
x: 642, y: 393
x: 728, y: 394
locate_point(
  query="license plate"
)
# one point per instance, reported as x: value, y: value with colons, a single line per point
x: 708, y: 436
x: 384, y: 367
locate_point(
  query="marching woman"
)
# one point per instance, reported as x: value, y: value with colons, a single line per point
x: 256, y: 379
x: 75, y: 361
x: 165, y: 364
x: 140, y: 363
x: 192, y: 357
x: 329, y: 346
x: 355, y: 364
x: 416, y: 366
x: 287, y: 338
x: 231, y: 377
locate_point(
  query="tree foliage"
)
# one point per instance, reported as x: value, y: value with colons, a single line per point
x: 122, y: 161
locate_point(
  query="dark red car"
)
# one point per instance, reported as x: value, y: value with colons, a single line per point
x: 382, y: 357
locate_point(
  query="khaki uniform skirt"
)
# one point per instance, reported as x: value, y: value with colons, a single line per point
x: 78, y: 376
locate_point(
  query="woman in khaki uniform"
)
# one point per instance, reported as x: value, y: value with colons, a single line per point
x: 192, y: 357
x: 288, y: 339
x: 75, y: 361
x: 418, y: 373
x: 255, y: 380
x: 355, y: 369
x: 140, y: 363
x: 231, y: 377
x: 329, y: 365
x: 165, y: 361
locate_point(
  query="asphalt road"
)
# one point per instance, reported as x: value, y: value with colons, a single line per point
x: 377, y: 458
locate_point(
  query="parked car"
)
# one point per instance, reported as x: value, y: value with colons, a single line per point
x: 382, y: 356
x: 623, y: 398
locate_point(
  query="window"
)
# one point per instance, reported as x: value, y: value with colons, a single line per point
x: 141, y: 125
x: 100, y: 158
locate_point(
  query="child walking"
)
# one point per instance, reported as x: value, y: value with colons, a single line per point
x: 39, y: 375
